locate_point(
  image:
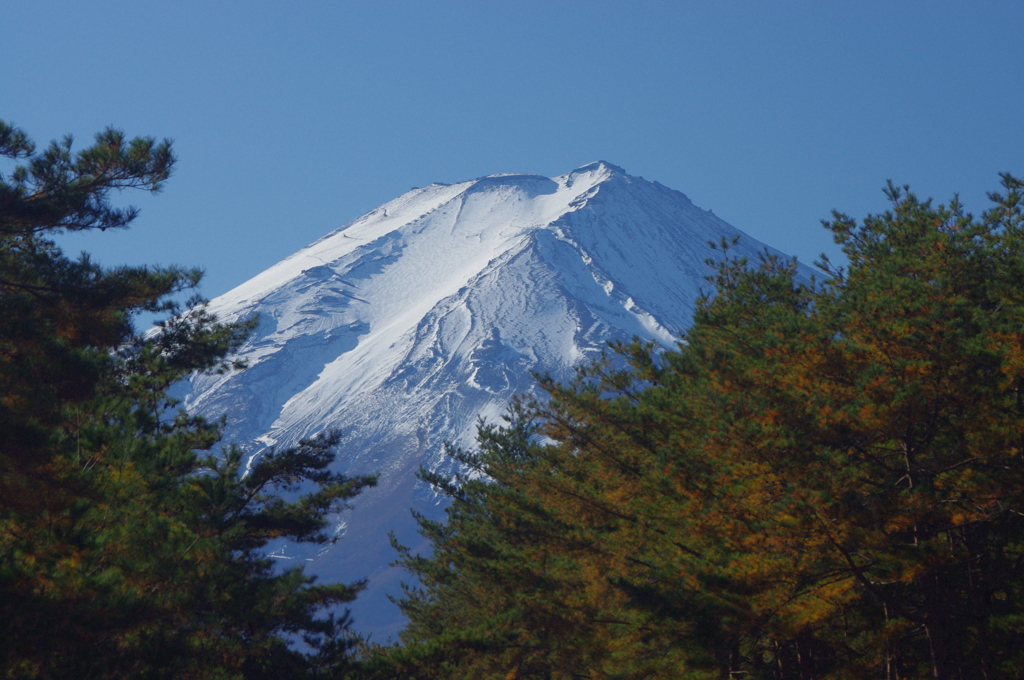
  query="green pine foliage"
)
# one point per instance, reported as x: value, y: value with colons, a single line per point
x: 824, y: 480
x: 127, y: 549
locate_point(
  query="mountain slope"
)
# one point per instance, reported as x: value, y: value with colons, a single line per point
x: 403, y: 327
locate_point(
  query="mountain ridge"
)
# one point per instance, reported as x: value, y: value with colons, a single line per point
x: 404, y: 326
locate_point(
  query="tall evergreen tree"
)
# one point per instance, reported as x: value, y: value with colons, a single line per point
x: 125, y: 552
x: 824, y: 480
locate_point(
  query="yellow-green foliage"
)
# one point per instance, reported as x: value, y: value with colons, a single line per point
x: 824, y: 480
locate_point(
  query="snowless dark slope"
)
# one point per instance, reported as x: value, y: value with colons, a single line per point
x: 403, y: 327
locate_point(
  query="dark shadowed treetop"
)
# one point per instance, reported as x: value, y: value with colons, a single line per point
x: 124, y: 551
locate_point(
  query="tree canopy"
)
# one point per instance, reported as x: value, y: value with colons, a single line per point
x: 131, y: 546
x: 825, y: 479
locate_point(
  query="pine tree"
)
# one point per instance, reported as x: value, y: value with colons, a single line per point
x: 824, y: 480
x: 125, y: 551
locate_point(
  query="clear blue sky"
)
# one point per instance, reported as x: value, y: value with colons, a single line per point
x: 291, y: 119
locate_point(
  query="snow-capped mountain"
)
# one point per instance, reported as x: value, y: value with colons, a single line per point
x: 404, y: 326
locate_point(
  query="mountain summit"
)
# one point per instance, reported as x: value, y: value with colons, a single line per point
x: 405, y: 326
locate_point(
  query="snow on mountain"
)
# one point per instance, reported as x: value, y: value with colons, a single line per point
x: 404, y: 326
